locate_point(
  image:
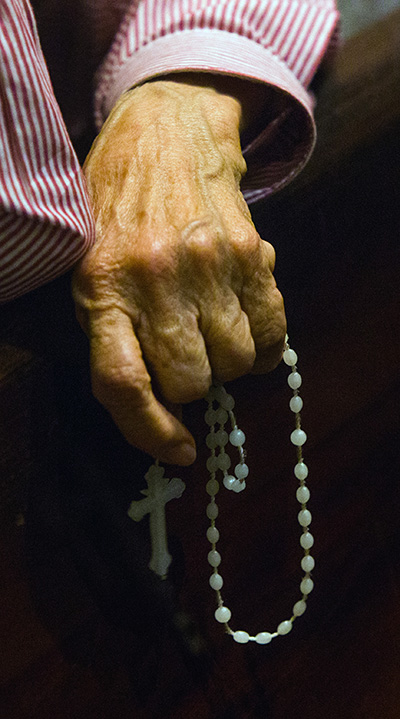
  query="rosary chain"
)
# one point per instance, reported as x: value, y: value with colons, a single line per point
x: 217, y: 439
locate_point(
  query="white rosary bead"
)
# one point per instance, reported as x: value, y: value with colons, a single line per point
x: 210, y: 416
x: 241, y: 471
x: 212, y: 510
x: 294, y: 380
x: 229, y: 481
x: 212, y: 535
x: 228, y: 402
x: 304, y: 517
x: 296, y: 404
x: 214, y: 558
x: 241, y: 637
x: 237, y: 437
x: 220, y: 393
x: 303, y: 495
x: 308, y: 563
x: 307, y: 585
x: 222, y: 614
x: 298, y: 437
x: 221, y: 416
x: 211, y: 440
x: 239, y: 486
x: 307, y: 540
x: 216, y: 581
x: 299, y: 608
x: 236, y: 485
x: 301, y: 470
x: 285, y: 627
x: 210, y: 396
x: 212, y: 463
x: 224, y: 461
x: 212, y: 487
x: 222, y: 437
x: 290, y: 357
x: 263, y: 637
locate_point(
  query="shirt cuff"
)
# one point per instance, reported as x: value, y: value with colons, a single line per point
x: 282, y: 149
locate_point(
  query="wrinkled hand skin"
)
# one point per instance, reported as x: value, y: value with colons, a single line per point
x: 178, y: 287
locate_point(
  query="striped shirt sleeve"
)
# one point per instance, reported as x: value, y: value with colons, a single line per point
x: 46, y: 222
x: 277, y: 42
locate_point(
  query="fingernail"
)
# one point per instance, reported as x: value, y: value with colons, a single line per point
x: 184, y: 454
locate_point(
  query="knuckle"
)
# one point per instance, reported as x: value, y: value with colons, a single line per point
x: 158, y: 259
x: 270, y: 255
x: 269, y: 351
x: 276, y: 327
x: 239, y: 362
x: 246, y: 242
x: 276, y: 337
x: 202, y: 237
x: 231, y: 345
x: 151, y: 263
x: 110, y: 386
x: 183, y: 392
x: 93, y: 283
x: 236, y: 367
x: 244, y: 363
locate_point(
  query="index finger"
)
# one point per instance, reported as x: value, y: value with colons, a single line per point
x: 121, y: 382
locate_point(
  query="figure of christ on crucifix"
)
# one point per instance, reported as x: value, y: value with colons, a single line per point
x: 160, y: 491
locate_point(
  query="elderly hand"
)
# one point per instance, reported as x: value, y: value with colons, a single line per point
x: 178, y: 288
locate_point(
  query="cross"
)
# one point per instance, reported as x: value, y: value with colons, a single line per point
x: 160, y: 491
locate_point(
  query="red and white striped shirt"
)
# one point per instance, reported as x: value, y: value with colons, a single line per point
x: 46, y: 222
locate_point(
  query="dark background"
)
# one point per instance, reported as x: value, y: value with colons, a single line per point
x: 86, y: 630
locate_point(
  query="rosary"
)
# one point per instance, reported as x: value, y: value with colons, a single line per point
x: 160, y: 490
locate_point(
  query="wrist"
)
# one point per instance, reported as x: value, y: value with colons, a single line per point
x: 177, y: 122
x: 175, y: 101
x: 251, y: 96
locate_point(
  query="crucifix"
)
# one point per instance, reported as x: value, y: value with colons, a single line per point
x: 160, y: 490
